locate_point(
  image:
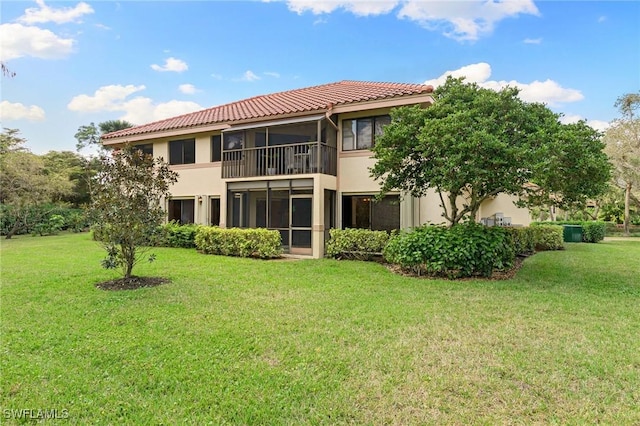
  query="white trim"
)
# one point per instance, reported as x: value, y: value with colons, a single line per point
x: 274, y: 123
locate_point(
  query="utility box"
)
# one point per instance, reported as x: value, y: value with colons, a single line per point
x: 572, y: 233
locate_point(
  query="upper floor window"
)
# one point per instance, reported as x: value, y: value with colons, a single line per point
x: 146, y: 149
x: 216, y: 148
x: 182, y: 151
x: 360, y: 133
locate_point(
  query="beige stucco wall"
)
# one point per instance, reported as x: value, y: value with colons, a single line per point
x: 504, y: 204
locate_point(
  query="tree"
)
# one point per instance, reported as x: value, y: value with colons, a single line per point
x: 622, y: 140
x: 476, y: 143
x: 126, y: 204
x: 24, y: 183
x: 570, y: 169
x: 89, y: 136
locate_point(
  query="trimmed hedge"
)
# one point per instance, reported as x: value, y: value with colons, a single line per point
x: 524, y: 241
x: 173, y: 234
x: 261, y: 243
x: 592, y: 231
x: 463, y: 250
x: 548, y: 237
x: 360, y: 244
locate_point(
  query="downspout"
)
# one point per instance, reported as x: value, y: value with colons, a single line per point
x: 327, y: 115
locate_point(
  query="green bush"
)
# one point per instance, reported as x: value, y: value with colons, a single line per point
x: 548, y: 237
x: 40, y: 219
x: 463, y: 250
x: 261, y: 243
x: 173, y: 234
x: 360, y: 244
x: 524, y: 243
x: 593, y: 232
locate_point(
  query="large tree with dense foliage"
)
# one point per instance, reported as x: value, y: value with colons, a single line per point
x: 476, y: 143
x: 623, y: 147
x: 126, y: 205
x: 24, y: 182
x: 89, y: 136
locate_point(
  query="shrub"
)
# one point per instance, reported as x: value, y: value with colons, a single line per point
x: 361, y: 244
x: 548, y: 237
x: 463, y: 250
x: 593, y: 232
x: 173, y: 234
x: 524, y: 243
x: 261, y: 243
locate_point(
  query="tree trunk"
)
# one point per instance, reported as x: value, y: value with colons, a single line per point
x: 14, y: 229
x: 552, y: 214
x: 627, y: 202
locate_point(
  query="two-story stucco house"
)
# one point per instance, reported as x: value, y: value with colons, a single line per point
x: 295, y: 161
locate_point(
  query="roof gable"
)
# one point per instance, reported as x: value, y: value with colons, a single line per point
x: 309, y: 99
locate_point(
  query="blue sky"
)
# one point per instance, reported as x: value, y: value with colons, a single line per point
x: 82, y: 62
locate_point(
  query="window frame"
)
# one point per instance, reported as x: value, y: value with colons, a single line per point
x: 356, y: 132
x: 216, y: 154
x: 170, y: 209
x: 184, y: 144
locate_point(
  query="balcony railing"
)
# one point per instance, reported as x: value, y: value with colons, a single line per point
x: 293, y: 159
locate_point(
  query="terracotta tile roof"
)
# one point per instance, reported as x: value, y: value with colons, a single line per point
x: 309, y: 99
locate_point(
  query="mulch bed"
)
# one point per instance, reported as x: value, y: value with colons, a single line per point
x: 132, y: 283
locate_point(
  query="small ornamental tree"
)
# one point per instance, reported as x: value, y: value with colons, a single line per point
x: 126, y: 205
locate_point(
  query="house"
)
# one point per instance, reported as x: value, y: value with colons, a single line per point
x: 295, y: 161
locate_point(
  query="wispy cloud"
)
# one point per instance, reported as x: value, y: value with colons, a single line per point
x: 459, y: 20
x: 171, y: 65
x: 249, y: 76
x: 188, y: 89
x: 10, y: 111
x: 532, y: 40
x: 44, y: 13
x: 272, y: 74
x: 601, y: 19
x: 216, y: 76
x: 548, y: 91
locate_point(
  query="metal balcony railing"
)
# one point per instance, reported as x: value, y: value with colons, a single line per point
x: 279, y: 160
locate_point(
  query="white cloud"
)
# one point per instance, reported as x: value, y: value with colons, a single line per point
x: 216, y: 76
x: 106, y: 98
x: 601, y: 19
x: 44, y: 13
x: 464, y: 20
x: 533, y: 40
x: 138, y: 110
x: 16, y: 111
x: 249, y: 76
x: 359, y: 8
x: 17, y: 40
x: 548, y: 91
x: 460, y: 20
x: 272, y: 74
x: 188, y: 89
x: 171, y: 64
x: 599, y: 125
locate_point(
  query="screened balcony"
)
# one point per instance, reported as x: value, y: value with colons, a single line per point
x: 281, y: 148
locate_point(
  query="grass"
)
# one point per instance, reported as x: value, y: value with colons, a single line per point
x: 239, y: 341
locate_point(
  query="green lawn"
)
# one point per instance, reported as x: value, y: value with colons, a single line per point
x: 240, y: 341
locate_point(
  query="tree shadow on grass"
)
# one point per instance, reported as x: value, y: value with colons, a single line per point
x: 132, y: 283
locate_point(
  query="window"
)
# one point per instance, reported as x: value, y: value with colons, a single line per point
x: 181, y: 211
x: 360, y: 133
x: 147, y: 149
x: 233, y: 140
x: 182, y: 151
x: 214, y: 213
x: 363, y: 211
x: 216, y: 148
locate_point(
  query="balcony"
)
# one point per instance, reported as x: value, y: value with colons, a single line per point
x: 279, y: 160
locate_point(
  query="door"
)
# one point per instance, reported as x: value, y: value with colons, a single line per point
x: 301, y: 218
